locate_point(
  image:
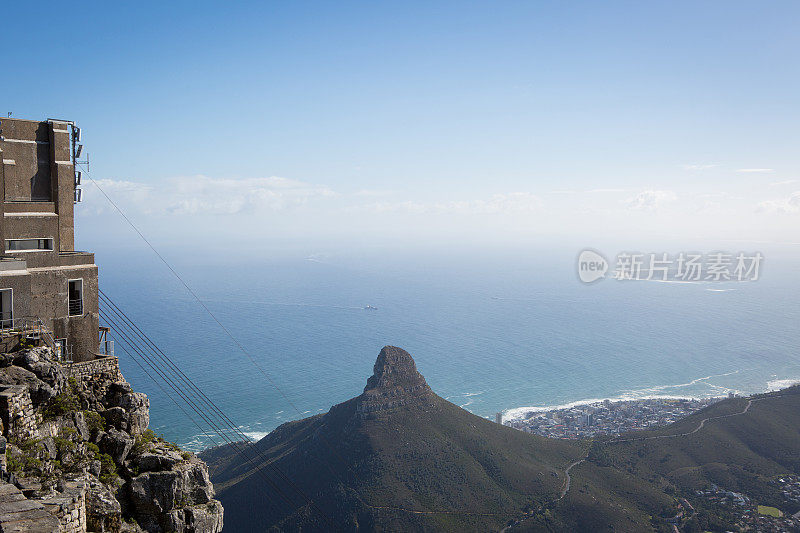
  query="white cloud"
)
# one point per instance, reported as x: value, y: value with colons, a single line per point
x: 699, y: 166
x: 373, y: 192
x: 505, y: 203
x: 650, y: 200
x: 756, y: 170
x: 594, y: 191
x: 791, y: 204
x: 588, y: 191
x: 783, y: 182
x: 205, y: 195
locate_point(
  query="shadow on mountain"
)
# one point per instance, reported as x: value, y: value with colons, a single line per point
x: 396, y: 457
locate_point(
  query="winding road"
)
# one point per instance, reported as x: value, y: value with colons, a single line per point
x: 568, y: 480
x: 701, y: 425
x: 695, y: 430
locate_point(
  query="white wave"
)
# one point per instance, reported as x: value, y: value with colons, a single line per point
x: 627, y: 395
x: 521, y: 412
x: 687, y: 384
x: 720, y: 290
x: 256, y: 435
x: 778, y: 384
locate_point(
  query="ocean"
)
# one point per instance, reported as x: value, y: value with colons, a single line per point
x: 505, y: 330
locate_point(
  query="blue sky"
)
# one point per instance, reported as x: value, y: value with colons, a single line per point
x: 423, y: 121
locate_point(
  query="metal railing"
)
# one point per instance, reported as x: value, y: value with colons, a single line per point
x: 23, y: 324
x: 75, y: 307
x: 33, y: 328
x: 106, y: 348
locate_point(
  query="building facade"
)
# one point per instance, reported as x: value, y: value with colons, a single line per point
x: 43, y: 279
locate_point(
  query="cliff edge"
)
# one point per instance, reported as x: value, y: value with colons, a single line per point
x: 77, y: 454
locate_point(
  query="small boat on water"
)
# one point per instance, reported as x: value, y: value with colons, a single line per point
x: 371, y: 308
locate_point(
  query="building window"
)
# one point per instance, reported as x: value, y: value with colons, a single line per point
x: 75, y: 297
x: 29, y: 245
x: 6, y: 308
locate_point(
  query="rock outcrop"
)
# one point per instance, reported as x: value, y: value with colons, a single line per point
x: 395, y: 383
x: 79, y: 454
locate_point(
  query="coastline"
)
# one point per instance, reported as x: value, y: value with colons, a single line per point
x: 608, y: 417
x: 517, y: 413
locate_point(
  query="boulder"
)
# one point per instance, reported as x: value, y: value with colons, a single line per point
x: 132, y: 414
x: 38, y: 361
x: 81, y: 427
x: 6, y: 359
x: 50, y: 447
x: 157, y: 493
x: 116, y: 417
x: 137, y: 406
x: 40, y: 391
x: 199, y: 518
x: 116, y: 444
x: 157, y: 462
x: 131, y: 527
x: 103, y: 511
x: 116, y: 391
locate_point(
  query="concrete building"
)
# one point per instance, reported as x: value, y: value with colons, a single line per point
x: 44, y: 282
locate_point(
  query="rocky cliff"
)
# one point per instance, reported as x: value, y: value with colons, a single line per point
x: 395, y: 382
x: 78, y: 454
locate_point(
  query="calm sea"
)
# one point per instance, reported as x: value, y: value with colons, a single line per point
x: 490, y: 332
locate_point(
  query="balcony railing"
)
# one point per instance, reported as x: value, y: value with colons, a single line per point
x: 33, y: 328
x: 25, y: 324
x: 75, y: 307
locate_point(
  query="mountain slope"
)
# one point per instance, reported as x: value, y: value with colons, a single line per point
x: 396, y: 457
x: 740, y: 445
x: 400, y: 458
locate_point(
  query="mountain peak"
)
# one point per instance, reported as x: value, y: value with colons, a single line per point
x: 394, y: 368
x: 395, y: 382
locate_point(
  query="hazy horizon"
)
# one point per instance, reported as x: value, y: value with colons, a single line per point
x: 423, y: 124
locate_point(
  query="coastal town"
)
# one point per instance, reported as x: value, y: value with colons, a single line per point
x: 742, y: 512
x: 606, y: 417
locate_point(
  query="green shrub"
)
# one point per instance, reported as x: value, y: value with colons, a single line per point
x: 30, y: 460
x: 94, y: 422
x: 26, y: 343
x: 142, y: 442
x: 64, y: 446
x: 61, y: 404
x: 108, y: 470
